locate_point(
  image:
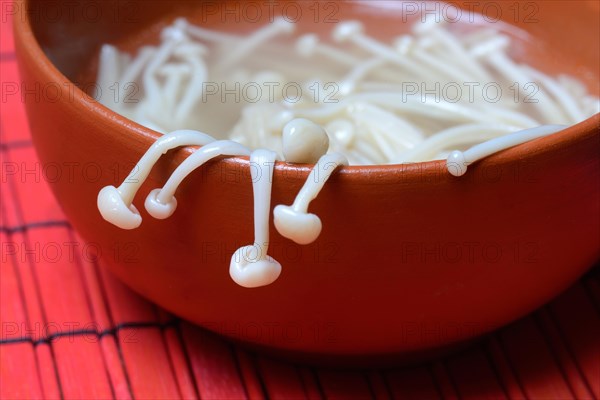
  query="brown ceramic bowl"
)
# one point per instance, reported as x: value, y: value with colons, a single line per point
x: 410, y: 259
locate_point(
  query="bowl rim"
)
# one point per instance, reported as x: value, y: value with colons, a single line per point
x: 413, y: 171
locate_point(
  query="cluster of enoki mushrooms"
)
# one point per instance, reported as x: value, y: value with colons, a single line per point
x: 369, y: 125
x: 303, y: 142
x: 380, y: 103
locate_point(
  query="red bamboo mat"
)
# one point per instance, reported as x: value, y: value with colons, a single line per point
x: 71, y: 330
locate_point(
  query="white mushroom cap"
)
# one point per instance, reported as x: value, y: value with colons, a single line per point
x: 343, y: 131
x: 345, y: 30
x: 404, y: 43
x: 285, y: 25
x: 250, y: 270
x: 181, y: 23
x: 307, y: 44
x: 304, y: 141
x: 432, y: 21
x: 456, y: 163
x: 173, y: 33
x: 302, y: 228
x: 157, y: 209
x: 114, y: 210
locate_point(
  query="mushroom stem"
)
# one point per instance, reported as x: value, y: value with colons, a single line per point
x: 545, y: 106
x: 455, y: 136
x: 108, y: 73
x: 194, y: 92
x: 140, y: 172
x: 262, y: 180
x: 309, y: 44
x: 456, y: 50
x: 207, y: 35
x: 247, y: 46
x: 353, y: 31
x: 458, y: 161
x: 133, y: 71
x: 161, y: 203
x: 294, y: 222
x: 562, y: 96
x: 115, y: 204
x: 250, y: 265
x: 350, y: 81
x: 171, y: 37
x: 316, y: 180
x: 174, y: 75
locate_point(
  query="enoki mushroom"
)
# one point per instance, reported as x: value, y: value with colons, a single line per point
x: 440, y: 87
x: 250, y: 265
x: 380, y: 111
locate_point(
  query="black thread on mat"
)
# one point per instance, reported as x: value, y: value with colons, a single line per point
x: 15, y: 144
x: 34, y: 225
x: 87, y: 332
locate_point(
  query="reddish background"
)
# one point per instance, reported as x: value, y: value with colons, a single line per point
x: 69, y: 329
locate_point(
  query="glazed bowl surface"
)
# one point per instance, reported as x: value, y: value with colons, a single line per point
x: 410, y: 258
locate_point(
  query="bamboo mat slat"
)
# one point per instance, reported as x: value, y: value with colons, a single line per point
x: 281, y: 380
x: 343, y: 384
x: 412, y: 383
x: 213, y: 364
x: 69, y: 329
x: 310, y: 383
x: 250, y: 376
x: 577, y: 324
x: 443, y: 381
x: 378, y: 385
x: 473, y: 376
x: 529, y: 356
